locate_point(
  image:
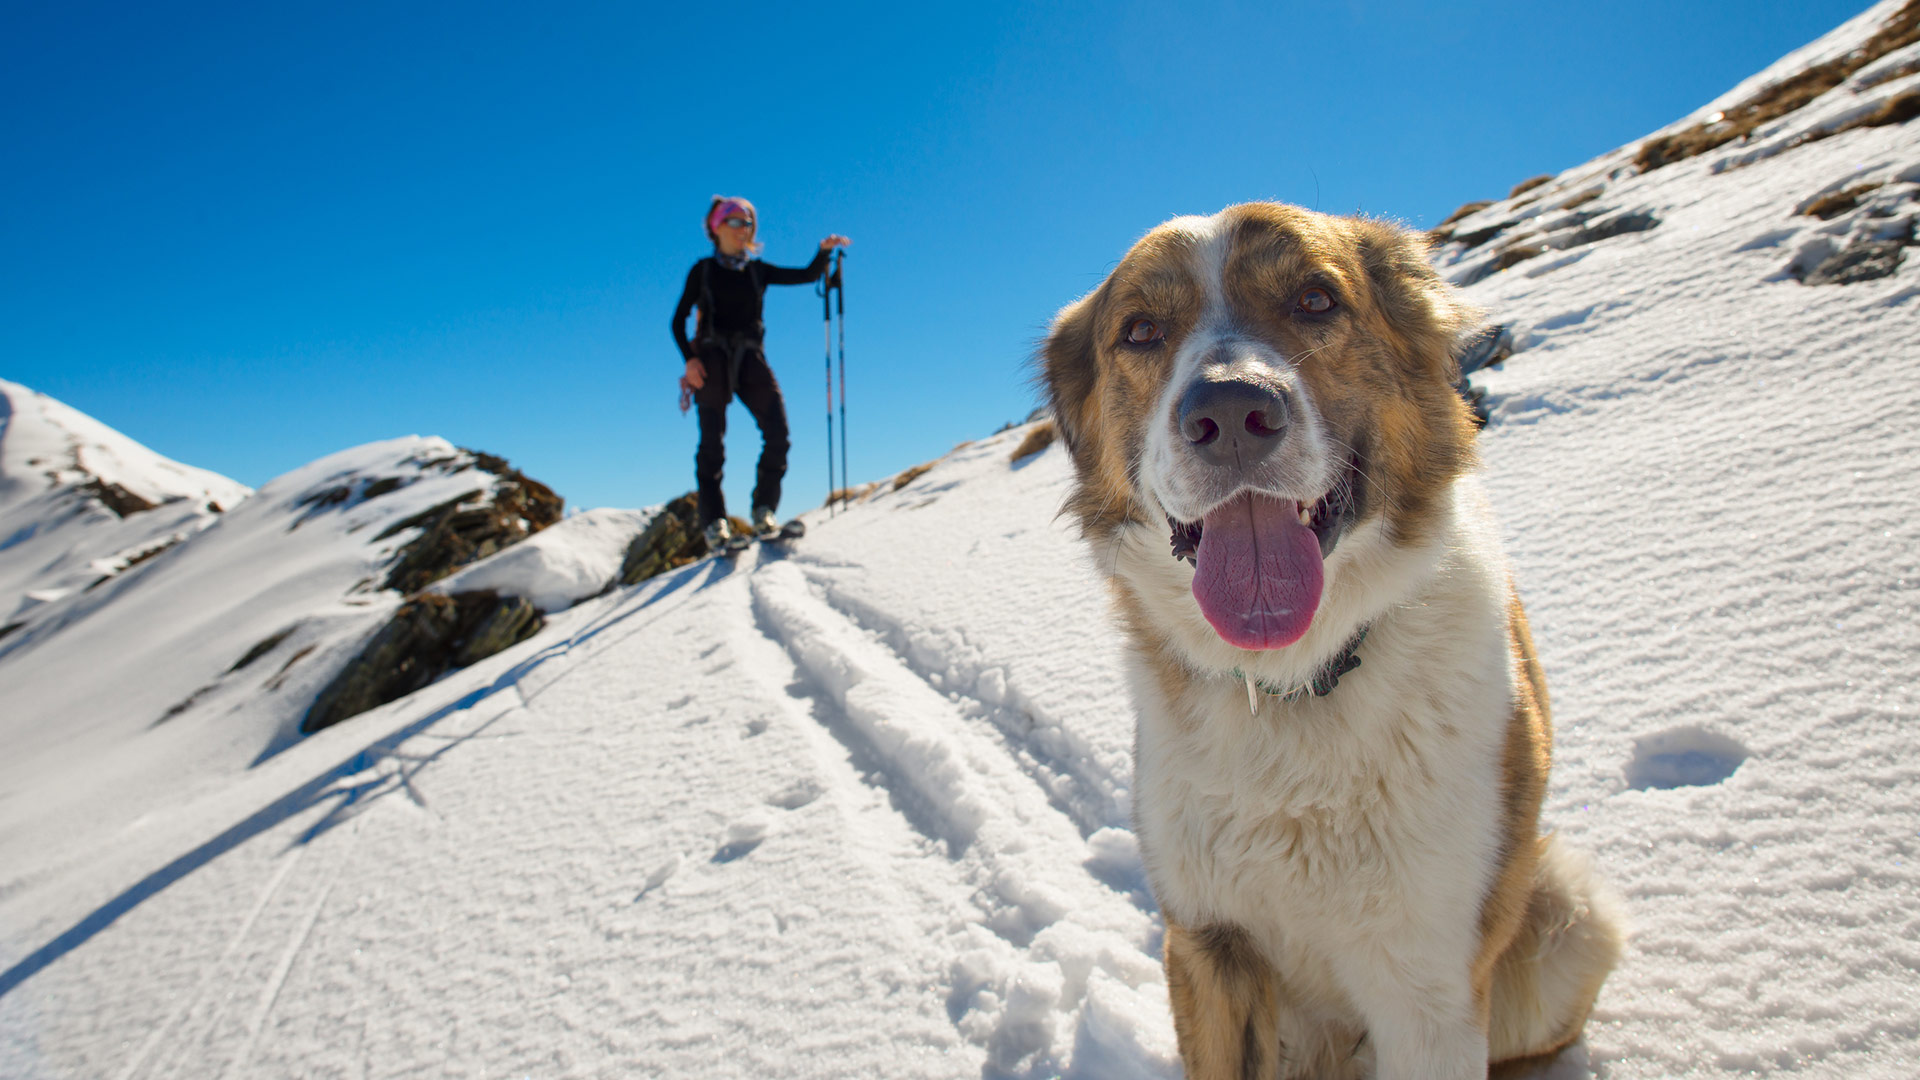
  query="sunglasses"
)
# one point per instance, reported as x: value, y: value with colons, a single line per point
x: 737, y: 222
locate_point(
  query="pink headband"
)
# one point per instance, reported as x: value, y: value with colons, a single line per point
x: 725, y: 209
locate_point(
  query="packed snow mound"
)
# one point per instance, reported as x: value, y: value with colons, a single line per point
x: 80, y: 503
x: 559, y: 566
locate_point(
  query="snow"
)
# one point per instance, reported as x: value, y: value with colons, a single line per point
x: 559, y: 565
x: 55, y: 540
x: 859, y: 804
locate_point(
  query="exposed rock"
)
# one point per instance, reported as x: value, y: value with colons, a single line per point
x: 470, y: 527
x: 671, y: 539
x: 1480, y: 236
x: 1038, y: 439
x: 328, y: 497
x: 510, y: 621
x: 147, y: 554
x: 1638, y: 221
x: 122, y: 502
x: 908, y: 476
x: 1864, y: 261
x: 381, y: 487
x: 260, y: 649
x: 1785, y: 96
x: 1834, y: 203
x: 1516, y: 255
x: 1529, y: 184
x: 428, y: 636
x: 280, y: 677
x: 845, y: 495
x: 1485, y: 349
x: 1441, y: 233
x: 1464, y: 210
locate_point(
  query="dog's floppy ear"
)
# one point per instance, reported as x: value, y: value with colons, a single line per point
x: 1424, y: 312
x: 1068, y: 372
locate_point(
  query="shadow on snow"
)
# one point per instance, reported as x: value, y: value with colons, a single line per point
x: 348, y: 799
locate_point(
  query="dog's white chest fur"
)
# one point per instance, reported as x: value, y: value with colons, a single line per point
x: 1347, y: 826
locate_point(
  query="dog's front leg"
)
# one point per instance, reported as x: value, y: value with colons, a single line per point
x: 1420, y: 1015
x: 1225, y: 1008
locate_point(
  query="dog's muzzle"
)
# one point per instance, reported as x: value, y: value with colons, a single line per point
x: 1233, y: 421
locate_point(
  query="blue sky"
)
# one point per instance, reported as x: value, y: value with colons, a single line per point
x: 252, y: 235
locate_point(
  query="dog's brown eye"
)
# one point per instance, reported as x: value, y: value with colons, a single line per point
x: 1316, y: 301
x: 1143, y: 332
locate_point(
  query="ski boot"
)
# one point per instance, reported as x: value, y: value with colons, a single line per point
x: 722, y: 541
x: 767, y: 527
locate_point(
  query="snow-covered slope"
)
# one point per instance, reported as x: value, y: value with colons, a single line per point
x: 170, y: 678
x: 860, y: 806
x: 80, y: 502
x: 560, y: 565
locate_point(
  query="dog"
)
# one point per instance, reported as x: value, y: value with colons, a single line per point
x: 1343, y: 735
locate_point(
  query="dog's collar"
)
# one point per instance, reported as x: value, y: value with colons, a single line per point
x: 1320, y: 685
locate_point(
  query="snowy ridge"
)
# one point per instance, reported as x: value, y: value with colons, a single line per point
x: 859, y: 805
x: 1836, y: 43
x: 81, y: 503
x: 143, y: 676
x: 44, y: 443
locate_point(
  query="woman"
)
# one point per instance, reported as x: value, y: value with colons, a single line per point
x: 726, y: 359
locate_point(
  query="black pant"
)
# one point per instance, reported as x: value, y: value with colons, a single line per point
x: 738, y: 369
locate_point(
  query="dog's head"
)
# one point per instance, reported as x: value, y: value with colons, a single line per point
x: 1269, y: 384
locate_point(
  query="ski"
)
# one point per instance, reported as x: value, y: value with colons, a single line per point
x: 792, y: 530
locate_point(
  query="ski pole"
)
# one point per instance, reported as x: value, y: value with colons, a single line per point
x: 840, y: 305
x: 826, y: 333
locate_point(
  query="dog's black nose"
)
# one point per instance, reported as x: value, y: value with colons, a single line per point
x: 1232, y: 421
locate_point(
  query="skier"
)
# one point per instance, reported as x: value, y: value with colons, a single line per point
x: 726, y: 358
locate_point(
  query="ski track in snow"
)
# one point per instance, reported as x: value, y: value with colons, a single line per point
x: 821, y: 720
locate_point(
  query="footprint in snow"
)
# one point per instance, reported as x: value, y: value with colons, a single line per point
x: 659, y: 876
x: 743, y: 836
x: 1683, y: 757
x: 795, y: 795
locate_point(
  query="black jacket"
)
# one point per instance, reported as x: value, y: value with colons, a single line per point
x: 730, y: 300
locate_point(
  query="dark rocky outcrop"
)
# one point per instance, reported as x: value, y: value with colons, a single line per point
x: 428, y: 636
x: 469, y: 528
x: 122, y: 502
x: 1864, y: 261
x: 1480, y: 236
x: 262, y: 648
x: 671, y: 539
x: 434, y: 633
x: 1619, y: 225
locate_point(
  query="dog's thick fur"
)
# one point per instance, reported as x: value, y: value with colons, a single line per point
x: 1353, y: 884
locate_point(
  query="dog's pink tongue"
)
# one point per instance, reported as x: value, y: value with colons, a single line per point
x: 1257, y: 574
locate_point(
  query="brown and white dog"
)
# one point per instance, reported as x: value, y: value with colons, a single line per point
x: 1347, y: 855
